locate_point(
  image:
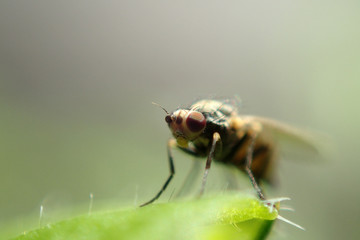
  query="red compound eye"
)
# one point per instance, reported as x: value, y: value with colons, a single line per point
x: 195, y: 121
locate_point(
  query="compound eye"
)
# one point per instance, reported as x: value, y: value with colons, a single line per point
x: 168, y: 119
x: 178, y: 120
x: 195, y: 121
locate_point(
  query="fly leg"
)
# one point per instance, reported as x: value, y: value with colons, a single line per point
x: 216, y: 138
x: 249, y: 158
x: 171, y: 143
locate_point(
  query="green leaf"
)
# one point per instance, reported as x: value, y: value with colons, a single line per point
x: 230, y: 216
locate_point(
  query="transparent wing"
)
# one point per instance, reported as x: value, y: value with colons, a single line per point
x: 191, y: 178
x: 292, y: 142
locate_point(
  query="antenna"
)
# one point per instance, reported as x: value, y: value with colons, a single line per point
x: 156, y: 104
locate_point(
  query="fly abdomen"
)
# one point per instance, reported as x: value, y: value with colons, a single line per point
x: 261, y: 156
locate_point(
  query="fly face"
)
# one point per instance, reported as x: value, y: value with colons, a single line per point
x: 186, y: 125
x: 197, y: 123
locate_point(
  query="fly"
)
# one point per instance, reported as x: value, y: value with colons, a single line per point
x: 214, y: 129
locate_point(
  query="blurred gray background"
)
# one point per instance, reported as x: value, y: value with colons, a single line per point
x: 77, y: 79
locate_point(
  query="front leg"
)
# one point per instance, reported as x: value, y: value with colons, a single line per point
x: 215, y: 140
x: 170, y: 145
